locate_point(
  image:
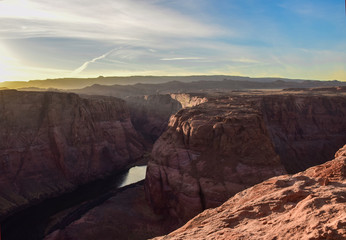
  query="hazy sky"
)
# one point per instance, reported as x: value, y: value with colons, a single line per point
x: 288, y: 38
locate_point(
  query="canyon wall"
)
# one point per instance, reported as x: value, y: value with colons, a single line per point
x: 52, y: 142
x: 307, y: 205
x: 306, y: 130
x: 150, y: 113
x: 216, y: 149
x: 208, y: 154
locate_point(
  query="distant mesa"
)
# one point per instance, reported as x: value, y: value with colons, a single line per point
x: 77, y: 83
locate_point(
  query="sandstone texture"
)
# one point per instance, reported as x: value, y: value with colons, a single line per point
x: 308, y: 205
x: 306, y: 130
x: 190, y: 99
x: 208, y: 154
x: 216, y: 149
x: 52, y: 142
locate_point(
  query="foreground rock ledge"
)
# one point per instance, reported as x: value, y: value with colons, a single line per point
x: 307, y: 205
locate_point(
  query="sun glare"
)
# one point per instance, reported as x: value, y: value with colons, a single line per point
x: 4, y: 73
x: 7, y: 64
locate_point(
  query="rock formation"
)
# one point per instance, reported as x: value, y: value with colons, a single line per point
x: 150, y: 113
x: 52, y: 142
x: 208, y: 154
x: 307, y: 205
x: 306, y: 130
x: 190, y: 99
x: 216, y: 149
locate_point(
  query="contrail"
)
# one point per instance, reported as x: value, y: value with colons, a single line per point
x: 85, y: 65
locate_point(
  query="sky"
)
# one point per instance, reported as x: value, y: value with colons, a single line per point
x: 304, y: 39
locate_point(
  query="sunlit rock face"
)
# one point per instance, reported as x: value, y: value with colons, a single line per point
x: 52, y: 142
x: 307, y: 205
x: 216, y: 149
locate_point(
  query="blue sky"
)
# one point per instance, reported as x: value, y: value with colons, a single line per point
x: 72, y: 38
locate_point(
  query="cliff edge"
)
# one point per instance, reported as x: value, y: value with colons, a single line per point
x: 308, y: 205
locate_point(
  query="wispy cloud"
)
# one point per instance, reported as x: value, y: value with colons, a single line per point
x: 86, y: 64
x: 181, y: 58
x: 112, y: 20
x: 171, y: 37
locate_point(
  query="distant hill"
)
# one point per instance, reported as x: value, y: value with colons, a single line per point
x: 198, y: 86
x: 74, y: 83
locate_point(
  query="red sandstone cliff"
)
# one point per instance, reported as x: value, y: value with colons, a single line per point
x: 208, y: 154
x: 52, y: 142
x: 307, y: 205
x: 216, y: 149
x: 306, y: 130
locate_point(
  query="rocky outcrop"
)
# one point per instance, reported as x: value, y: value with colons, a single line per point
x: 52, y: 142
x: 216, y: 149
x: 307, y: 205
x: 208, y: 154
x: 190, y: 99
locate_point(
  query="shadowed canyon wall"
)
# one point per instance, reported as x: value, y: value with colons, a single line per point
x: 150, y: 113
x: 53, y: 142
x: 306, y: 130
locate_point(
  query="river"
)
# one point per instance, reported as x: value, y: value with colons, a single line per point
x: 34, y: 222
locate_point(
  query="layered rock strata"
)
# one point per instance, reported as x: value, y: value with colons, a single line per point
x: 307, y: 205
x: 208, y: 154
x: 216, y: 149
x: 150, y: 113
x: 306, y: 130
x: 52, y: 142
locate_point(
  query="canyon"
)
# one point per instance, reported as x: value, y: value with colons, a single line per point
x: 201, y: 148
x: 216, y: 149
x: 53, y: 142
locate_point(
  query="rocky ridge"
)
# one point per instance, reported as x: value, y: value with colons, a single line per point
x: 308, y: 205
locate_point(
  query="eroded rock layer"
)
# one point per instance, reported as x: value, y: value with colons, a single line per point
x: 209, y: 153
x: 306, y: 130
x: 307, y: 205
x: 216, y: 149
x: 150, y: 113
x: 53, y: 142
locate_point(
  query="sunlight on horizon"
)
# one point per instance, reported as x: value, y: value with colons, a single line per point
x: 65, y: 39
